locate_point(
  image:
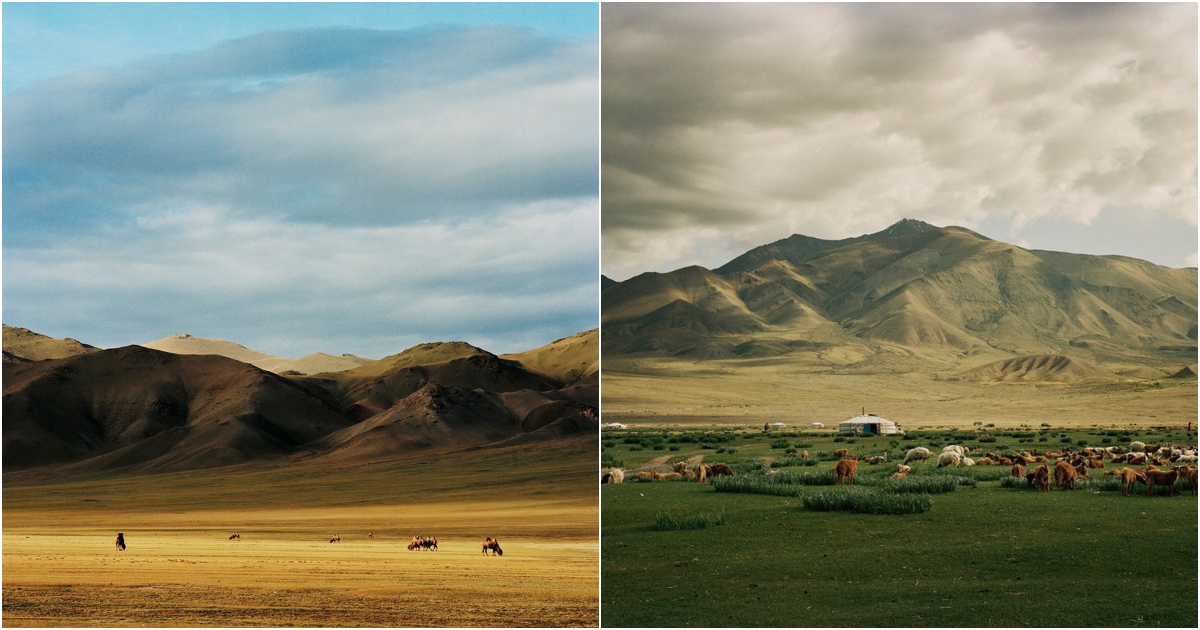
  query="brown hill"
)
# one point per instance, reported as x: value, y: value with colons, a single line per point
x: 24, y: 344
x: 1048, y: 368
x: 1188, y: 372
x: 566, y: 360
x: 187, y: 344
x: 149, y: 410
x: 946, y: 290
x: 319, y: 363
x: 134, y: 406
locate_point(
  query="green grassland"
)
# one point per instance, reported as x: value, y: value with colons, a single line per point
x: 982, y: 555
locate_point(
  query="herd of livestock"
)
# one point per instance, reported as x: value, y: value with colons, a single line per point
x: 1161, y: 465
x: 418, y: 543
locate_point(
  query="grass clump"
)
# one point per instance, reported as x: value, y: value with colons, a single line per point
x: 664, y: 521
x: 866, y: 501
x: 1014, y: 482
x: 754, y: 485
x: 920, y: 484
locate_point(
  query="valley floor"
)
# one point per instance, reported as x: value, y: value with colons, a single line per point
x: 180, y: 569
x: 660, y: 392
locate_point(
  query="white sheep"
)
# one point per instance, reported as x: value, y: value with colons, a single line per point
x: 956, y: 448
x: 618, y: 475
x: 916, y: 453
x: 949, y: 458
x: 967, y: 461
x: 1137, y: 447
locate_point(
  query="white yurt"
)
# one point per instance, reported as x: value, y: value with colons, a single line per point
x: 869, y: 424
x: 817, y: 425
x: 778, y: 425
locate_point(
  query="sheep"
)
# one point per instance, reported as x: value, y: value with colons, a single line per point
x: 842, y: 453
x: 1127, y: 476
x: 1186, y: 459
x: 1096, y: 463
x: 949, y: 458
x: 647, y: 475
x: 1065, y: 475
x: 904, y: 469
x: 919, y: 452
x: 671, y: 476
x: 679, y: 467
x: 846, y: 468
x: 618, y: 475
x: 690, y: 474
x: 900, y: 475
x: 961, y: 450
x: 1162, y: 477
x: 985, y: 461
x: 1004, y: 461
x: 803, y: 454
x: 967, y: 461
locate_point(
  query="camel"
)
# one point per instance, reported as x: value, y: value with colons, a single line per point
x: 494, y: 545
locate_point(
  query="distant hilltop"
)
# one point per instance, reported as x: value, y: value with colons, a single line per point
x: 942, y: 293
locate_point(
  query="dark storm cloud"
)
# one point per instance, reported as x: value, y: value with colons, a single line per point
x: 727, y: 126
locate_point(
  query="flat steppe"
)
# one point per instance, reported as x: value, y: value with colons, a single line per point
x: 800, y: 390
x: 180, y: 569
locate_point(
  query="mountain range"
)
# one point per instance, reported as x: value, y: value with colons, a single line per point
x: 79, y: 408
x: 943, y: 293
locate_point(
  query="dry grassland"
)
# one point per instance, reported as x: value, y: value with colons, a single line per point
x: 180, y: 569
x: 661, y: 391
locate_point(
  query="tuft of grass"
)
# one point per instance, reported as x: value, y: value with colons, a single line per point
x: 754, y: 485
x: 664, y: 521
x: 920, y: 484
x: 1014, y: 482
x: 866, y: 501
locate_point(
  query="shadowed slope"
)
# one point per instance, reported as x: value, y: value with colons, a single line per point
x: 566, y: 360
x: 136, y: 406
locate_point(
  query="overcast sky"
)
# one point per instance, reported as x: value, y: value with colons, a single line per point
x: 1055, y: 126
x: 301, y: 178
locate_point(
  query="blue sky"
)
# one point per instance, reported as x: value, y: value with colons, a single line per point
x: 302, y: 177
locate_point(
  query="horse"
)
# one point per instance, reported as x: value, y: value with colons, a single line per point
x: 494, y: 545
x: 120, y: 541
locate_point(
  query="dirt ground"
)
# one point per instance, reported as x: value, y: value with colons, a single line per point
x: 748, y: 393
x: 180, y: 568
x: 284, y: 571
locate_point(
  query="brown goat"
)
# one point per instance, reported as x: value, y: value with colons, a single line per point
x: 846, y: 469
x: 842, y: 453
x: 1018, y: 470
x: 1163, y: 478
x: 1065, y: 476
x: 720, y: 469
x: 1040, y: 478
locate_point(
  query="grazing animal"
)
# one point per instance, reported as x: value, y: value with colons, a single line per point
x: 985, y: 461
x: 1128, y: 477
x: 949, y: 458
x: 605, y: 478
x: 1137, y: 447
x: 120, y: 541
x: 493, y: 545
x: 720, y: 469
x: 1065, y: 476
x: 618, y: 475
x: 371, y: 535
x: 703, y: 472
x: 803, y: 454
x: 904, y: 469
x: 919, y: 452
x: 423, y: 543
x: 690, y: 474
x: 679, y: 467
x: 647, y: 476
x: 336, y: 538
x: 900, y: 475
x: 1018, y: 470
x: 845, y: 469
x: 842, y: 453
x: 967, y: 461
x: 1189, y: 473
x: 1005, y: 461
x: 235, y: 536
x: 1040, y: 478
x: 1162, y: 478
x: 671, y: 476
